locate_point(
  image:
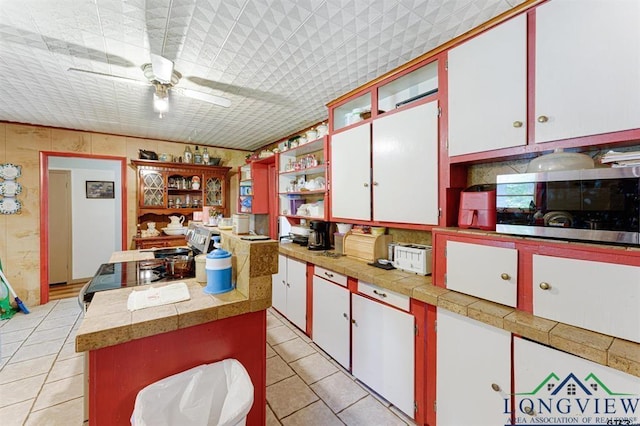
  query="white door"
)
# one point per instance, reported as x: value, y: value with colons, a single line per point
x: 351, y: 173
x: 487, y: 90
x: 587, y: 68
x: 483, y: 271
x: 473, y: 382
x: 598, y: 296
x: 558, y: 387
x: 297, y: 293
x: 383, y: 351
x: 405, y: 166
x: 279, y: 286
x: 331, y: 319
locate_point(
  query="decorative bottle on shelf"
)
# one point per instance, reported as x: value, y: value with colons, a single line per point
x: 205, y: 156
x: 187, y: 157
x: 197, y: 156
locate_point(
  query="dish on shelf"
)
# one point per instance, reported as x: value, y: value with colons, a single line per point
x: 174, y: 231
x: 10, y: 171
x: 9, y: 205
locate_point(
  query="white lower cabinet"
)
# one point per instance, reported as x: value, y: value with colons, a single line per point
x: 331, y: 319
x: 560, y: 388
x: 289, y: 290
x: 473, y: 379
x: 383, y: 351
x: 598, y: 296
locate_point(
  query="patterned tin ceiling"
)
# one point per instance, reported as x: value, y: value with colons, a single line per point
x: 278, y: 61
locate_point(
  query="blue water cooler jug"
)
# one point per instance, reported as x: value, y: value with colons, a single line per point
x: 218, y: 267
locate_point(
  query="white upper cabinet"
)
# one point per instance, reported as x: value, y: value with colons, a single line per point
x: 487, y: 90
x: 351, y: 173
x: 405, y: 166
x: 587, y: 68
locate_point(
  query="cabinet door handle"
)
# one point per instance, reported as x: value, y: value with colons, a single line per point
x: 345, y: 316
x: 366, y: 185
x: 354, y: 322
x: 543, y: 119
x: 283, y: 282
x: 329, y: 274
x: 517, y: 124
x: 379, y: 293
x: 495, y: 387
x: 375, y: 183
x: 505, y: 276
x: 288, y: 285
x: 545, y: 286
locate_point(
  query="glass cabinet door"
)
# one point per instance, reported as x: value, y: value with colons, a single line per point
x: 152, y: 189
x: 214, y: 191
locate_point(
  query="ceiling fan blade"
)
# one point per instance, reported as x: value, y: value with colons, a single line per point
x: 162, y: 68
x: 109, y: 76
x: 205, y: 97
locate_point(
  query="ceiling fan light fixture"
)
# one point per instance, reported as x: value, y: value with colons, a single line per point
x: 160, y: 103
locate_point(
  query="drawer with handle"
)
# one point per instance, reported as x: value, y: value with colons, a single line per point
x: 382, y: 294
x: 330, y: 275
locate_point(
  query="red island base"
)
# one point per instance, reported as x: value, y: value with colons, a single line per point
x: 117, y: 373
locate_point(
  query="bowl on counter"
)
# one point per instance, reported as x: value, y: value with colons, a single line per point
x: 175, y: 231
x: 378, y: 230
x: 344, y: 228
x: 225, y: 223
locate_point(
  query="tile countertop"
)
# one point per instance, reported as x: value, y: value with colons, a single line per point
x: 617, y: 353
x: 108, y: 322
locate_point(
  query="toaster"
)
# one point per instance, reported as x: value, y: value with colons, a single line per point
x: 414, y: 258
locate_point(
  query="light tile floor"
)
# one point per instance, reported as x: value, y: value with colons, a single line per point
x: 41, y: 375
x: 307, y: 387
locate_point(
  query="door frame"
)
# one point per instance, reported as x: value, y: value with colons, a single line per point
x: 44, y: 209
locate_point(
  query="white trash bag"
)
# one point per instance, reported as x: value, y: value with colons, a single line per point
x: 212, y: 394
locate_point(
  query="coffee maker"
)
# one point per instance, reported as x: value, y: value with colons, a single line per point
x: 319, y: 235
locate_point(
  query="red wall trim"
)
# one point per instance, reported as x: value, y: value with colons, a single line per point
x: 44, y: 209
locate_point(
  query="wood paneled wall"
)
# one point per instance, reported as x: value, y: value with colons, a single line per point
x: 21, y: 144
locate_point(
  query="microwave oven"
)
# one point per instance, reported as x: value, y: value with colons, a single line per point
x: 599, y: 204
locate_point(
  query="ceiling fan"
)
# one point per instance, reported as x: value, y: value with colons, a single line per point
x: 161, y: 74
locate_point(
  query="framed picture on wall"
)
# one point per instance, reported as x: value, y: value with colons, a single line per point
x: 100, y: 189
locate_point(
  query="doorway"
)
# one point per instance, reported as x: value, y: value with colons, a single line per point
x: 98, y: 226
x: 59, y: 212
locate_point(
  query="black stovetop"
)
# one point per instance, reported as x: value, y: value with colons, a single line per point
x: 111, y: 276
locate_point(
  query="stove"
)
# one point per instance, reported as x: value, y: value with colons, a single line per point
x: 111, y: 276
x: 200, y: 237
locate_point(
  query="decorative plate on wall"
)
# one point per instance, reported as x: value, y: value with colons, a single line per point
x: 10, y: 171
x: 10, y: 188
x: 9, y: 205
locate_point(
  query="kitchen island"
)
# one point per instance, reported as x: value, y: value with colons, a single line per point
x: 126, y: 350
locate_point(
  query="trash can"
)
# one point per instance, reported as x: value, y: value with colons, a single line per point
x: 212, y: 394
